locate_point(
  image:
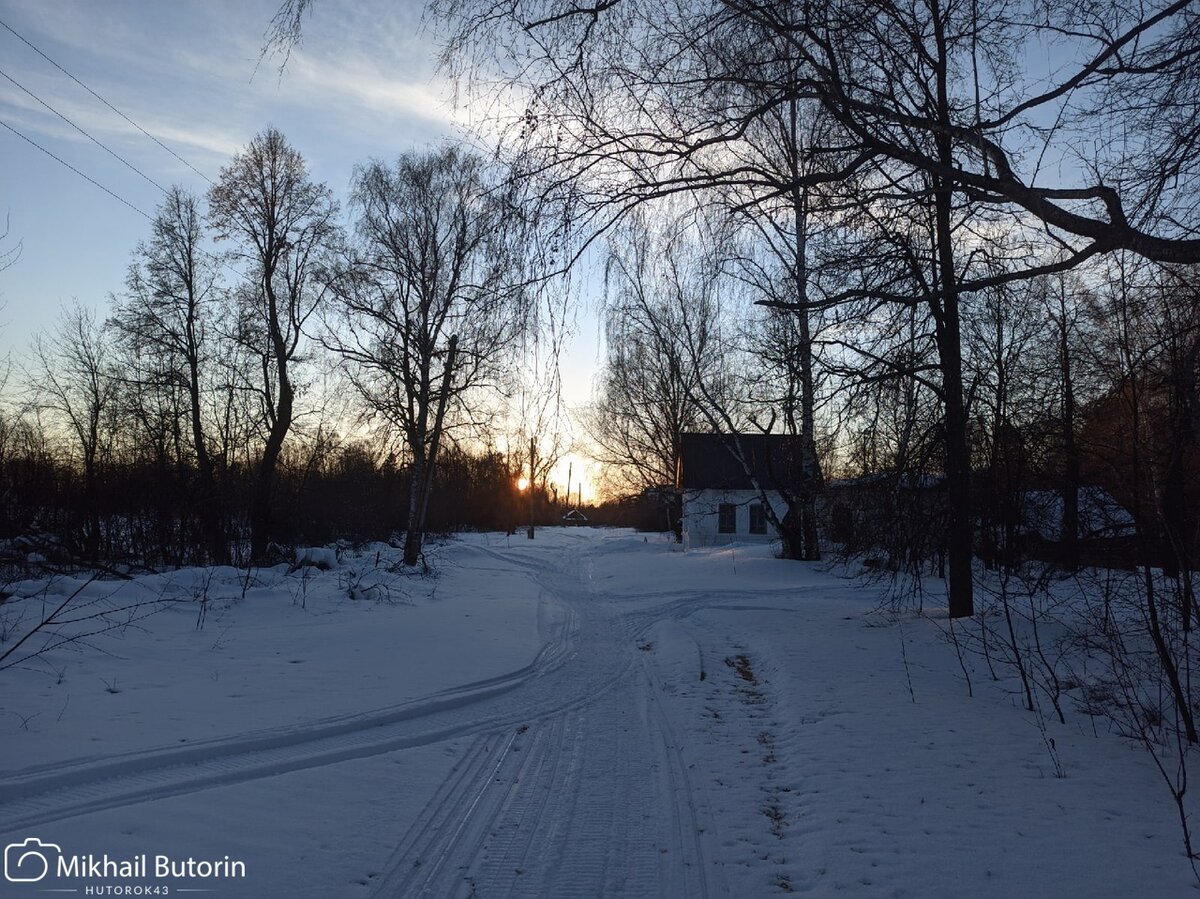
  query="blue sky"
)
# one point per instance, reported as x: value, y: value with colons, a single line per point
x: 363, y: 84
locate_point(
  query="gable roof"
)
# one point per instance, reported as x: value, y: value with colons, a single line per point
x: 708, y: 461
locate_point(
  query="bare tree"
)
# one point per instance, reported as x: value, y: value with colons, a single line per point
x: 1133, y: 351
x: 433, y: 300
x: 1175, y: 314
x: 608, y: 135
x: 1063, y: 313
x: 776, y: 217
x: 647, y: 395
x: 166, y: 323
x: 534, y: 412
x: 671, y: 279
x: 281, y: 222
x: 969, y: 129
x: 899, y: 243
x: 640, y: 408
x: 71, y: 377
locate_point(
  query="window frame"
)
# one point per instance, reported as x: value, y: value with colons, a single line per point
x: 758, y: 510
x: 727, y: 515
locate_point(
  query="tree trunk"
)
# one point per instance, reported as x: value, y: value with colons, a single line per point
x: 959, y: 539
x: 1070, y: 490
x: 414, y: 528
x: 210, y: 524
x: 423, y: 479
x: 792, y: 532
x: 810, y: 464
x: 809, y: 547
x: 91, y: 498
x: 260, y: 511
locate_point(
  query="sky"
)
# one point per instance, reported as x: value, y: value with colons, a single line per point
x: 363, y: 84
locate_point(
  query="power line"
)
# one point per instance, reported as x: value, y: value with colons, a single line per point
x: 89, y: 178
x: 42, y: 54
x: 99, y: 143
x: 29, y: 140
x: 217, y: 259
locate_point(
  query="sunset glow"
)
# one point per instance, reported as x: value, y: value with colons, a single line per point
x: 580, y: 471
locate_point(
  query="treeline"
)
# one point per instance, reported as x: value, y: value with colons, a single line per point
x: 141, y: 511
x: 203, y: 416
x: 1079, y: 401
x: 1082, y: 442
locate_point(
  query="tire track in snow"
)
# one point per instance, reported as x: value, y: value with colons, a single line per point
x: 38, y: 796
x: 468, y: 777
x: 699, y: 874
x: 602, y: 804
x: 422, y: 855
x: 501, y: 853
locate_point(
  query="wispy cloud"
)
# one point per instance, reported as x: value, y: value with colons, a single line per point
x: 187, y: 137
x: 364, y: 86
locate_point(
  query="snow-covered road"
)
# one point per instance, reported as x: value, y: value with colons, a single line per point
x: 705, y: 724
x: 576, y: 785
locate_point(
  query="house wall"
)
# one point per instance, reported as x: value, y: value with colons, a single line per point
x: 700, y: 525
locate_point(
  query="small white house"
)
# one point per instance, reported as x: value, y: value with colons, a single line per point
x: 719, y: 502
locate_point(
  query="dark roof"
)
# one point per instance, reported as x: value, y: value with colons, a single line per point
x: 711, y: 461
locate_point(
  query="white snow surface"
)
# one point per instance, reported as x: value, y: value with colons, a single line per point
x: 591, y: 713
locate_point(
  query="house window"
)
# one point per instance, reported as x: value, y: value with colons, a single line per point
x: 726, y: 518
x: 758, y: 519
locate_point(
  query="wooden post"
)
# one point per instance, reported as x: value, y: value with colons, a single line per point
x: 532, y: 460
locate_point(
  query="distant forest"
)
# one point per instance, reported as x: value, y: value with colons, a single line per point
x: 275, y: 373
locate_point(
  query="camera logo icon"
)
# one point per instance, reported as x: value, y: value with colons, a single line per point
x: 30, y: 861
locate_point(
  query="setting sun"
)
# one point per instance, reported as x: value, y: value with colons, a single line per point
x: 522, y: 483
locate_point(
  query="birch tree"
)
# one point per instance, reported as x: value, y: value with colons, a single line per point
x: 432, y: 301
x: 165, y: 322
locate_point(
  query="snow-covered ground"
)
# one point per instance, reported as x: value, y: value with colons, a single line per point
x: 592, y: 713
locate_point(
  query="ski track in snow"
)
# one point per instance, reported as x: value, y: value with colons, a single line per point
x: 591, y: 799
x: 573, y: 785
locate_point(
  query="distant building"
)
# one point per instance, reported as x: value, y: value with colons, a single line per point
x: 1100, y: 515
x: 719, y: 501
x: 574, y: 517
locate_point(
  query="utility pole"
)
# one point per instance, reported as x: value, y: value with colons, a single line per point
x: 569, y: 465
x: 532, y: 468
